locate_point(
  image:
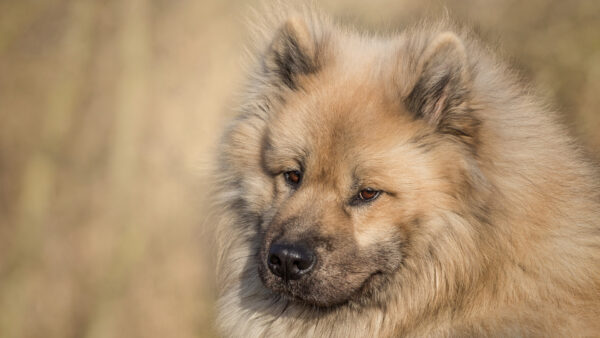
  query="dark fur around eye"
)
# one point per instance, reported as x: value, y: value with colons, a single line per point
x: 293, y: 178
x: 364, y: 196
x: 368, y: 194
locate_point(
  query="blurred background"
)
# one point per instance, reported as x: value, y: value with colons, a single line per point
x: 108, y: 114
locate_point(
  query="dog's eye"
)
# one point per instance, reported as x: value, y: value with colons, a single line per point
x: 368, y: 194
x: 293, y: 177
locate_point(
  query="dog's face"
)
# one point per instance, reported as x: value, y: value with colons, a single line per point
x: 354, y: 175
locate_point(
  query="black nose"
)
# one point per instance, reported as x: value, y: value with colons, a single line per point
x: 289, y: 261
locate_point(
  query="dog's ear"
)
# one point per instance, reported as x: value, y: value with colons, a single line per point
x: 292, y: 53
x: 440, y: 94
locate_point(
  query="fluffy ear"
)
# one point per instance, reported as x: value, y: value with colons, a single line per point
x: 441, y: 91
x: 292, y: 53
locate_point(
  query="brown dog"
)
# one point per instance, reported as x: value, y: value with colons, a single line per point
x: 404, y: 186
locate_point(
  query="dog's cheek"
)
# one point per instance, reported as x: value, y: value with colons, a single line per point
x: 260, y: 193
x: 370, y: 235
x: 378, y: 225
x: 381, y: 246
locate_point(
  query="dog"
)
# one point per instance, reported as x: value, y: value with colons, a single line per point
x: 410, y: 185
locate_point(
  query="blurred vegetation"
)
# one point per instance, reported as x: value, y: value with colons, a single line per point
x: 108, y: 114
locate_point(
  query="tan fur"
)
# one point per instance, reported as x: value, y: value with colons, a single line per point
x: 496, y: 211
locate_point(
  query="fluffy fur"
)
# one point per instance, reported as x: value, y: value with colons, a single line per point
x: 489, y: 219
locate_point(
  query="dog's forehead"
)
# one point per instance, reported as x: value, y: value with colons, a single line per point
x: 337, y: 116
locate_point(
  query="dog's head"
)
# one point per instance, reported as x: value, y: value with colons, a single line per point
x: 363, y: 144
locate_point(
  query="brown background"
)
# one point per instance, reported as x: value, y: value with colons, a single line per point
x: 108, y: 114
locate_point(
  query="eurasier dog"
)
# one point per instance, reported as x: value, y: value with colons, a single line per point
x: 401, y: 186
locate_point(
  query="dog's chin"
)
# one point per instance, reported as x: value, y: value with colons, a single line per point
x: 304, y: 293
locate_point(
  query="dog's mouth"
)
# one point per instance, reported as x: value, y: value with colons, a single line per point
x: 314, y: 294
x: 362, y: 294
x: 310, y: 275
x: 374, y: 277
